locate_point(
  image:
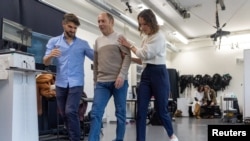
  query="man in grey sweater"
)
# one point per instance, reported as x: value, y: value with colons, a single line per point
x: 111, y: 64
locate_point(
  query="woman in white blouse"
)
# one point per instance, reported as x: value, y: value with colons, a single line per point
x: 155, y: 77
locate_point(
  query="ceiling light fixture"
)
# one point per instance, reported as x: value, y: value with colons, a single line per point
x: 172, y: 47
x: 180, y: 10
x: 180, y: 37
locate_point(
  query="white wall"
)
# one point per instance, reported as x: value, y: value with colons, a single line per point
x: 89, y: 83
x: 209, y: 60
x: 246, y: 97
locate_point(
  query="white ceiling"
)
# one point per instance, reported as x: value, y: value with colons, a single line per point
x: 202, y: 19
x: 198, y: 26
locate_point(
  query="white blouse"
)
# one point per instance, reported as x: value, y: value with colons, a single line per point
x: 153, y: 49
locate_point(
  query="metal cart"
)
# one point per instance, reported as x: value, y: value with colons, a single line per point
x: 230, y: 114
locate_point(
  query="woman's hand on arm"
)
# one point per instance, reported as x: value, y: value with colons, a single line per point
x: 123, y: 41
x: 137, y: 60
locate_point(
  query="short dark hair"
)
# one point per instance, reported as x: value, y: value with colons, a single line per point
x: 69, y: 17
x: 150, y: 19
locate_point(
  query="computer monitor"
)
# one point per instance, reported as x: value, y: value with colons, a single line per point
x: 16, y: 33
x: 38, y: 46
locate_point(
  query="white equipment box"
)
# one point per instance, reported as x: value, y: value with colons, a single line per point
x: 183, y: 105
x: 18, y: 102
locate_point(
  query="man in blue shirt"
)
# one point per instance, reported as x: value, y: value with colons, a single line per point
x: 69, y: 51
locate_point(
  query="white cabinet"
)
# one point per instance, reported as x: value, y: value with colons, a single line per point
x: 246, y: 106
x: 183, y: 105
x: 18, y: 102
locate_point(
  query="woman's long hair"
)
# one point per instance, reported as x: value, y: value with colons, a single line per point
x: 150, y: 19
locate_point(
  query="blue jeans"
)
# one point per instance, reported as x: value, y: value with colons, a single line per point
x: 68, y: 100
x: 154, y: 82
x: 103, y: 92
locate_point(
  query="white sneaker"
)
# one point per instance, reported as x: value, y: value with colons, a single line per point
x: 174, y: 139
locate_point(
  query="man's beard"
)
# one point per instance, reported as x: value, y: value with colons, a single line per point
x: 70, y: 34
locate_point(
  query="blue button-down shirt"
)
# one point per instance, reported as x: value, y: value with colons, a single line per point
x: 69, y: 66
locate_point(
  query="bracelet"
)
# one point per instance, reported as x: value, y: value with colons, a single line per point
x: 132, y: 46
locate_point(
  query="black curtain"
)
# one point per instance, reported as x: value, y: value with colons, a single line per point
x: 174, y: 79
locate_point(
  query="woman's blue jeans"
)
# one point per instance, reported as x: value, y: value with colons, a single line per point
x: 102, y: 93
x: 154, y: 82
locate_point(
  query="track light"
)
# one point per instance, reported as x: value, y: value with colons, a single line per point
x: 222, y: 5
x: 180, y: 10
x: 184, y: 13
x: 129, y: 7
